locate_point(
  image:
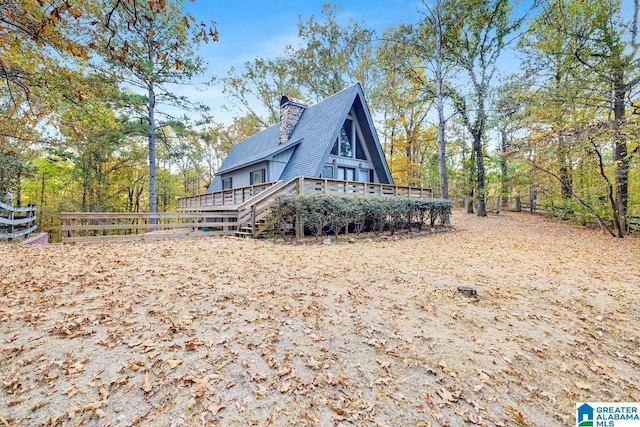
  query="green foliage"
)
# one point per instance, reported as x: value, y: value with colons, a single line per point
x: 327, y: 213
x: 331, y: 57
x: 155, y: 48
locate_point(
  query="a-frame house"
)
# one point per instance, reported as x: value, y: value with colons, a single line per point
x: 333, y: 139
x: 329, y: 147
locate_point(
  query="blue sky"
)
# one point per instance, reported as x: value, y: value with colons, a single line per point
x: 252, y: 28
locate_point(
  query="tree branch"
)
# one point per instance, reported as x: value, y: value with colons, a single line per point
x: 603, y: 226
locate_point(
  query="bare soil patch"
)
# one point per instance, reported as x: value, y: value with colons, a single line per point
x: 219, y: 331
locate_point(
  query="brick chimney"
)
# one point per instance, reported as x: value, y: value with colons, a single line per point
x: 290, y: 112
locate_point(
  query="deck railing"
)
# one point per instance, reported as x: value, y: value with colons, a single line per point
x: 237, y: 196
x: 17, y: 222
x: 231, y: 197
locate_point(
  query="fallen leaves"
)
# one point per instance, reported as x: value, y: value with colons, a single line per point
x: 157, y: 332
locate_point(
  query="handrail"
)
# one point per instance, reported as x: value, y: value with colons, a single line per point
x: 220, y: 198
x: 263, y: 194
x: 17, y: 221
x: 10, y: 208
x: 254, y: 214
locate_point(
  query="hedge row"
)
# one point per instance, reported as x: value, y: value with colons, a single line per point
x: 326, y: 213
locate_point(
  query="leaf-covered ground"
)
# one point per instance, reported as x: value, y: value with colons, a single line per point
x: 220, y: 331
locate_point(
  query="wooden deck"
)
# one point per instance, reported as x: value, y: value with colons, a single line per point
x: 235, y: 197
x: 240, y: 211
x: 251, y: 204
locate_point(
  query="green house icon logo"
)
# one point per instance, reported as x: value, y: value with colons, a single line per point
x: 584, y: 415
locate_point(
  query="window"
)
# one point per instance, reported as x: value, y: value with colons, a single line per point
x: 365, y: 175
x: 327, y: 172
x: 360, y: 155
x: 257, y: 176
x: 343, y: 146
x: 346, y: 138
x: 346, y: 174
x: 227, y: 183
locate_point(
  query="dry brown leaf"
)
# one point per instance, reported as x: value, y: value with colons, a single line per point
x: 146, y: 384
x: 174, y: 362
x: 215, y: 407
x: 92, y: 406
x: 104, y: 393
x: 285, y: 386
x: 518, y: 418
x: 261, y: 391
x: 339, y: 410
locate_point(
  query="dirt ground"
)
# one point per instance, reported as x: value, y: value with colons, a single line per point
x: 373, y: 332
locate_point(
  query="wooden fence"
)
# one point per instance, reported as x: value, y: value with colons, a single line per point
x: 105, y: 226
x: 533, y: 206
x: 16, y: 222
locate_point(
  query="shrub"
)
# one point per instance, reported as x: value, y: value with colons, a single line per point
x: 328, y: 213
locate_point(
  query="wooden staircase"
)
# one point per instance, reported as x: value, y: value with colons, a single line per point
x: 248, y: 232
x: 249, y: 217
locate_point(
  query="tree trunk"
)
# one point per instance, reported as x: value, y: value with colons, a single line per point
x: 153, y: 203
x: 477, y: 147
x: 564, y: 170
x: 621, y: 161
x: 504, y: 171
x: 18, y: 188
x: 442, y: 159
x: 472, y: 182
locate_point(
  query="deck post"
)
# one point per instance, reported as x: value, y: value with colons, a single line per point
x: 253, y: 221
x: 299, y: 228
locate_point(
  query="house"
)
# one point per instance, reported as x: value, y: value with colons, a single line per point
x: 330, y: 147
x: 333, y: 139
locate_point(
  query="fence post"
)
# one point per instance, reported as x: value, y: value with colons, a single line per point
x: 532, y: 200
x: 518, y: 204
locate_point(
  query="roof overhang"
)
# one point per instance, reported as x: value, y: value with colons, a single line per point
x: 261, y: 158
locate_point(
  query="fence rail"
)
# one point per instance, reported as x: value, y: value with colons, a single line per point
x: 104, y: 226
x: 16, y: 222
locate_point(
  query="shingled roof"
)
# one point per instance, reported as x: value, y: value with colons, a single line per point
x: 313, y: 137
